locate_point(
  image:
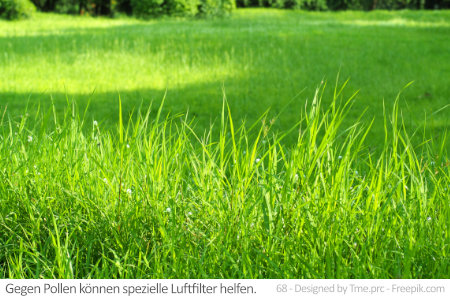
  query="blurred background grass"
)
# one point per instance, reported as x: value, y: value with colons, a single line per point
x: 262, y: 58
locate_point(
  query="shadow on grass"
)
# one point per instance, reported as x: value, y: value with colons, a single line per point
x: 202, y: 102
x: 282, y: 59
x: 203, y: 108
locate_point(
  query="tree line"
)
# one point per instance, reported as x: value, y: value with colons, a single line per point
x: 347, y: 4
x: 140, y: 8
x: 14, y: 9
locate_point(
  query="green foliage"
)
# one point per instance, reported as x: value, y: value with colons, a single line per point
x: 394, y: 4
x: 293, y: 4
x: 16, y: 9
x: 315, y: 5
x: 154, y: 8
x: 91, y: 7
x: 375, y: 4
x: 181, y: 7
x: 216, y: 7
x: 290, y: 4
x: 346, y: 4
x: 70, y: 7
x: 147, y: 8
x: 276, y: 3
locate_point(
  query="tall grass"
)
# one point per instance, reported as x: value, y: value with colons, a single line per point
x: 152, y: 199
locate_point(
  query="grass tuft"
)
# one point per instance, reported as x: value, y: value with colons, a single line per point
x: 154, y: 199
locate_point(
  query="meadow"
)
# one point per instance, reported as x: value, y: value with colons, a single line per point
x: 262, y: 58
x: 226, y: 148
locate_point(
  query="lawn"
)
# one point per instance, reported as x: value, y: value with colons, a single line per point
x: 261, y: 58
x: 328, y: 183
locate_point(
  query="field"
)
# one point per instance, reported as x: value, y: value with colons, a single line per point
x: 262, y: 58
x: 278, y: 170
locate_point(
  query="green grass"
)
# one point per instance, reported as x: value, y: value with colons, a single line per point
x: 263, y: 58
x: 153, y: 200
x: 337, y: 186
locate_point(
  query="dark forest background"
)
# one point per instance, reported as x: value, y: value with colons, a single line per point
x: 14, y: 9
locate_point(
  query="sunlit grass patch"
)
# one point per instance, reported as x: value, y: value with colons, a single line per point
x: 264, y: 58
